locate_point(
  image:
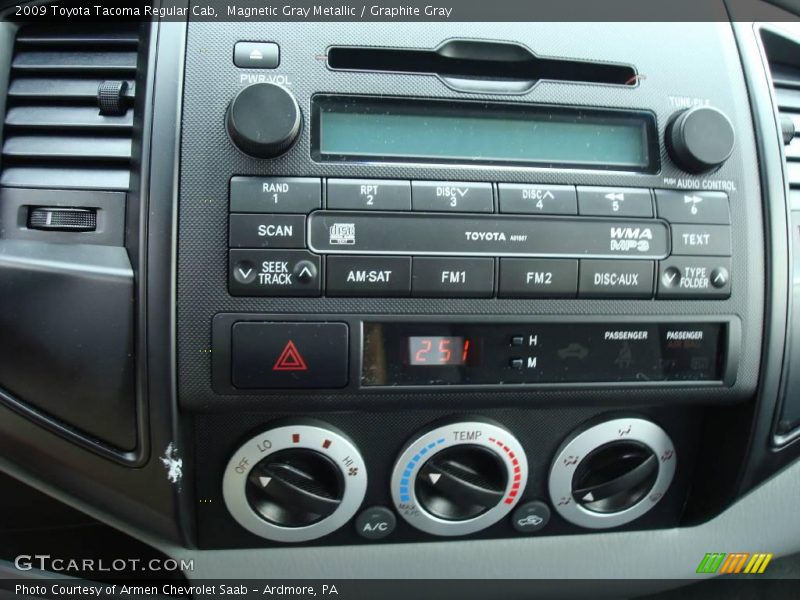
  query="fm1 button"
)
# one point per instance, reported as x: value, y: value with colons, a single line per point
x: 375, y: 523
x: 531, y: 517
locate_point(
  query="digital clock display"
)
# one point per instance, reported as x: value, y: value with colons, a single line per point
x: 437, y: 350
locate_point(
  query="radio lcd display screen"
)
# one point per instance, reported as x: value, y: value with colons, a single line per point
x: 408, y: 130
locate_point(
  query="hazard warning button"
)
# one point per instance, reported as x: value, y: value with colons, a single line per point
x: 289, y: 355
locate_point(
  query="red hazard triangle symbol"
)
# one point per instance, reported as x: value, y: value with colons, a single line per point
x: 290, y: 359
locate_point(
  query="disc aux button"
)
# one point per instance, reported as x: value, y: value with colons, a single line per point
x: 616, y: 279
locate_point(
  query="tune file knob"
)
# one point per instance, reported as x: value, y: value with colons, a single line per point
x: 700, y: 139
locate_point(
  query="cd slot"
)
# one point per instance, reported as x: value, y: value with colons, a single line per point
x: 345, y: 232
x: 479, y: 65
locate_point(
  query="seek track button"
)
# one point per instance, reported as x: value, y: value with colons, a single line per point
x: 273, y: 273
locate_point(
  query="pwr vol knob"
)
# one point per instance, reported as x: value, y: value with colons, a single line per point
x: 459, y: 478
x: 295, y: 483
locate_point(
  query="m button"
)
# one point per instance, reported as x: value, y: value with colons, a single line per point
x: 289, y: 355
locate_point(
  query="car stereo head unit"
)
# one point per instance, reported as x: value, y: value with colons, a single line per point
x: 408, y: 215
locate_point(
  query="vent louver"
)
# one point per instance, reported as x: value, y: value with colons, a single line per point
x: 54, y: 133
x: 783, y: 56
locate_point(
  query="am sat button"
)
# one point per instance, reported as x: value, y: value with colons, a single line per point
x: 289, y: 355
x: 368, y: 276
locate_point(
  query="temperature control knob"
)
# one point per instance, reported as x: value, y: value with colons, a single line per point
x: 700, y: 139
x: 295, y: 483
x: 459, y: 478
x: 263, y: 120
x: 612, y: 473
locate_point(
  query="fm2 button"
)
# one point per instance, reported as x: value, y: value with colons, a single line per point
x: 274, y: 273
x: 375, y: 523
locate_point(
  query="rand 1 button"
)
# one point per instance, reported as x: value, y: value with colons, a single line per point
x: 616, y: 279
x: 267, y: 231
x: 710, y: 208
x: 538, y: 278
x: 453, y: 277
x: 456, y: 196
x: 275, y: 194
x: 369, y: 194
x: 701, y: 240
x: 274, y: 273
x: 614, y: 202
x: 289, y: 355
x: 368, y: 276
x: 534, y: 198
x: 694, y: 277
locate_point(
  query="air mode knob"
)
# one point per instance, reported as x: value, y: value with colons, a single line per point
x: 700, y: 139
x: 264, y: 120
x: 295, y: 483
x: 612, y: 473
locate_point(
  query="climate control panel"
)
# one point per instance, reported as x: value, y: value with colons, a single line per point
x: 305, y: 480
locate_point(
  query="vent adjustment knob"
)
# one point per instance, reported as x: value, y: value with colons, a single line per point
x: 700, y: 139
x: 264, y: 120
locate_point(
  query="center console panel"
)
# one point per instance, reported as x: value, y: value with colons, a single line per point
x: 417, y: 303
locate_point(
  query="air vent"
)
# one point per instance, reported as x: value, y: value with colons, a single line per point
x: 784, y: 64
x: 55, y: 135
